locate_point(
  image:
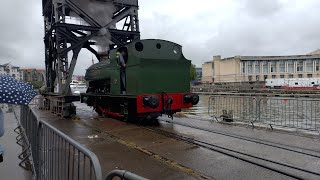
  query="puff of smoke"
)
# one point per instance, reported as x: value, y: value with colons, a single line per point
x: 102, y: 13
x: 103, y: 40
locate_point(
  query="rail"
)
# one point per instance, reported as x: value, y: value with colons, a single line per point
x: 50, y: 154
x: 288, y: 112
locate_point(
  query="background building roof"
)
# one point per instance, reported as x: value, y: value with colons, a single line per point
x: 316, y: 52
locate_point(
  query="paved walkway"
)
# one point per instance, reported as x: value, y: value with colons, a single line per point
x: 9, y: 168
x: 155, y: 156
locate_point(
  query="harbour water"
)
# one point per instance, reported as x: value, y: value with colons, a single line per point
x: 300, y: 113
x: 201, y: 109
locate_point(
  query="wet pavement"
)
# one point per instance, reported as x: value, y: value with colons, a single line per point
x: 112, y: 152
x: 9, y: 168
x: 134, y: 148
x: 304, y: 144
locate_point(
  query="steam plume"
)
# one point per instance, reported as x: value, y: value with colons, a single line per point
x: 101, y: 11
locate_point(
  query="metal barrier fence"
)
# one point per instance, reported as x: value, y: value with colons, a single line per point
x: 231, y: 108
x: 54, y: 154
x: 298, y: 113
x: 51, y: 154
x: 122, y: 174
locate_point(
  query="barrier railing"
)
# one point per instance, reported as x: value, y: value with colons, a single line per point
x: 122, y: 174
x: 298, y: 113
x: 51, y: 154
x: 54, y: 154
x: 230, y: 108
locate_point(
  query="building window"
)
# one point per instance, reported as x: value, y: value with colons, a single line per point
x: 290, y: 76
x: 243, y: 67
x: 299, y: 66
x: 273, y: 67
x: 257, y: 67
x: 249, y: 67
x: 282, y: 76
x: 317, y: 65
x: 309, y: 65
x: 282, y: 66
x: 265, y: 67
x: 265, y: 77
x: 300, y: 75
x: 257, y: 78
x: 273, y: 76
x: 290, y: 66
x: 309, y: 75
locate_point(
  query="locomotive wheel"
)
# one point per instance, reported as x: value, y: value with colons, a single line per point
x: 149, y: 119
x: 129, y: 118
x: 98, y: 112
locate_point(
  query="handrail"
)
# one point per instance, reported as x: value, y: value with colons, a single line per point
x: 123, y: 174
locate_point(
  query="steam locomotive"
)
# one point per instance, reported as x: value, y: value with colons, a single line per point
x: 156, y: 82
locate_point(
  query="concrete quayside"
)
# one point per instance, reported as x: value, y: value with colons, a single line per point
x: 191, y: 148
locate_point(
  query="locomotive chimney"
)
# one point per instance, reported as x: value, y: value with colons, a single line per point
x: 104, y: 56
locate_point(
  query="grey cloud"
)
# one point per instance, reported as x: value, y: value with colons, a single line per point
x: 279, y: 35
x: 20, y: 33
x: 261, y: 8
x: 253, y: 27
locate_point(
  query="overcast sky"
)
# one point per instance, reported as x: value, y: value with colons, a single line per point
x: 204, y: 28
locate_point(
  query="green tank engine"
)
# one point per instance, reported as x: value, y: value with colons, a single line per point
x: 154, y: 81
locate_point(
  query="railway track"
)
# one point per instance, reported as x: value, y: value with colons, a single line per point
x: 275, y: 166
x: 249, y: 158
x: 303, y: 151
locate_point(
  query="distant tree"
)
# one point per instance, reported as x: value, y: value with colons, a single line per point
x: 193, y: 73
x: 36, y: 84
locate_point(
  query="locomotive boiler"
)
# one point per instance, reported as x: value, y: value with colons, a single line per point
x: 156, y: 82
